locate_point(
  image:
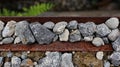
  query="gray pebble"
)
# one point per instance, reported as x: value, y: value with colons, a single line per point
x: 59, y: 27
x: 105, y: 39
x: 67, y: 60
x: 115, y: 58
x: 7, y: 40
x: 41, y: 33
x: 102, y: 30
x: 64, y: 36
x: 9, y: 54
x: 87, y: 29
x: 49, y: 25
x: 114, y: 34
x: 75, y: 36
x: 52, y: 59
x: 112, y: 22
x: 97, y: 41
x: 17, y: 40
x: 72, y: 24
x: 106, y: 64
x: 55, y: 38
x: 116, y: 44
x: 7, y: 64
x: 89, y: 38
x: 1, y: 61
x: 9, y: 29
x: 15, y: 61
x: 23, y: 31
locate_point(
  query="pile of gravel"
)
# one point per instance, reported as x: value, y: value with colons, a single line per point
x: 29, y: 33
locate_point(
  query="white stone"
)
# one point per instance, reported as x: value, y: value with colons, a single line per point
x: 64, y: 36
x: 89, y: 38
x: 97, y: 41
x: 17, y: 40
x: 9, y: 29
x: 114, y: 34
x: 7, y: 64
x: 7, y: 40
x: 16, y: 61
x: 99, y: 55
x: 112, y: 22
x: 106, y: 64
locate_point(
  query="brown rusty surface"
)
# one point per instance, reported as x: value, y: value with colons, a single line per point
x: 56, y: 46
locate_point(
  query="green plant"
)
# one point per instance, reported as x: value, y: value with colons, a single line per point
x: 31, y: 11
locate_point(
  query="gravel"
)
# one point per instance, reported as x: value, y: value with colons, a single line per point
x: 116, y: 44
x: 72, y: 25
x: 49, y: 25
x: 7, y: 40
x: 102, y: 30
x: 41, y: 33
x: 99, y: 55
x: 97, y: 41
x: 64, y: 36
x: 89, y: 38
x: 112, y: 22
x: 106, y: 64
x: 15, y: 61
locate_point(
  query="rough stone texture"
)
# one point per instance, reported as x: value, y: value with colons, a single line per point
x: 27, y: 63
x: 97, y: 41
x: 112, y: 23
x: 41, y: 33
x: 72, y: 24
x: 89, y: 38
x: 24, y: 55
x: 7, y: 40
x: 87, y: 29
x: 116, y: 44
x: 1, y: 28
x: 59, y: 27
x: 114, y: 34
x: 115, y: 58
x: 99, y: 55
x: 1, y: 61
x: 106, y: 64
x: 7, y: 64
x: 9, y: 29
x: 22, y: 30
x: 64, y: 36
x: 105, y: 39
x: 15, y: 61
x: 55, y: 38
x: 17, y: 40
x: 52, y: 59
x: 75, y: 36
x: 49, y: 25
x: 102, y: 30
x: 9, y: 54
x: 86, y: 59
x: 67, y: 60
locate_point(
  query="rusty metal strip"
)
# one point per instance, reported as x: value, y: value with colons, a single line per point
x: 56, y: 46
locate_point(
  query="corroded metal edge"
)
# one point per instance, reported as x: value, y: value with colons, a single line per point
x: 56, y: 46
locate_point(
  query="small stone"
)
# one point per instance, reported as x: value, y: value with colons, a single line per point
x: 64, y: 36
x: 17, y: 40
x: 112, y: 22
x: 27, y: 63
x: 116, y: 44
x: 9, y: 54
x: 114, y: 34
x: 24, y: 55
x: 41, y: 33
x: 9, y: 29
x: 106, y: 64
x: 115, y: 58
x: 87, y: 29
x: 102, y: 30
x: 49, y: 25
x: 23, y: 31
x: 105, y: 39
x: 55, y: 38
x: 67, y: 60
x: 97, y: 41
x: 99, y: 55
x: 75, y: 36
x: 7, y: 64
x: 1, y: 61
x: 72, y: 25
x: 7, y: 40
x: 59, y: 27
x: 16, y: 61
x: 52, y: 59
x: 89, y: 38
x: 1, y: 28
